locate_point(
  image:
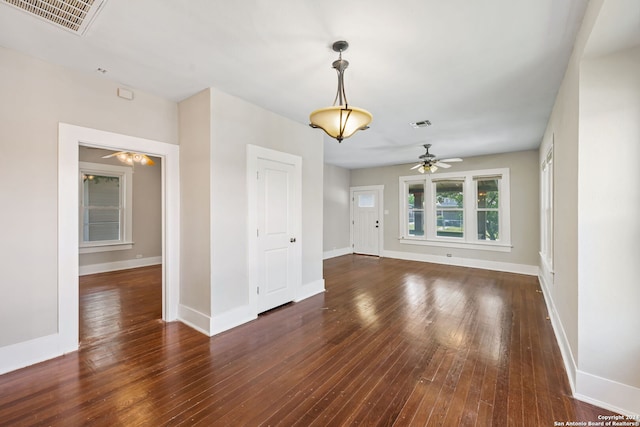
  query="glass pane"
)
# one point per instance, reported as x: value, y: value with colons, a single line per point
x: 416, y: 196
x: 366, y: 201
x: 101, y: 190
x: 488, y: 193
x: 488, y: 226
x: 416, y: 222
x: 415, y: 209
x: 449, y: 223
x: 449, y: 194
x: 101, y: 224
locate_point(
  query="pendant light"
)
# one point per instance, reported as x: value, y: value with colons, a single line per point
x: 341, y: 120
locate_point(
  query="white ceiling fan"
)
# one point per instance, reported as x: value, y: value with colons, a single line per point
x: 130, y: 158
x: 429, y: 162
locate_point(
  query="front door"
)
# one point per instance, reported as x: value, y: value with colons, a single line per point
x: 366, y: 222
x: 277, y: 242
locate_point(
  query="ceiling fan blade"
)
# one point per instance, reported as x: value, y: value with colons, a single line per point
x: 452, y: 160
x: 416, y: 166
x: 442, y: 165
x: 112, y: 154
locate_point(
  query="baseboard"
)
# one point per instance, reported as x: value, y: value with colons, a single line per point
x: 310, y: 289
x: 529, y: 270
x: 21, y: 355
x: 232, y: 318
x: 212, y: 325
x: 561, y: 337
x: 119, y: 265
x: 614, y: 396
x: 193, y: 318
x: 337, y: 252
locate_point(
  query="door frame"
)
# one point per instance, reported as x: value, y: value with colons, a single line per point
x: 70, y: 137
x: 254, y: 153
x: 380, y: 190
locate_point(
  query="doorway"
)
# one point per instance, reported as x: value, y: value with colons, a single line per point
x: 367, y: 219
x: 120, y: 242
x: 69, y: 139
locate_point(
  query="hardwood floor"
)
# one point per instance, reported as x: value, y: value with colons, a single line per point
x: 390, y: 343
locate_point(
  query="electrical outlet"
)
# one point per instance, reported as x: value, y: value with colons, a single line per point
x: 138, y: 256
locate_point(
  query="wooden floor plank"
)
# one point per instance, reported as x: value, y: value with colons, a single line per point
x: 390, y: 342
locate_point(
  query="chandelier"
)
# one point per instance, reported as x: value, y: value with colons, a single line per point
x: 341, y: 120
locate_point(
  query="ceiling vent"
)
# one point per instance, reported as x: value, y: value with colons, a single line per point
x: 72, y: 15
x: 421, y: 124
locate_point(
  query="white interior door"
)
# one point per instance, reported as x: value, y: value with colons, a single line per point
x: 366, y: 223
x: 278, y: 245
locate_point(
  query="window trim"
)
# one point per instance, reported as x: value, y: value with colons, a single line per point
x: 125, y: 174
x: 547, y: 210
x: 469, y: 240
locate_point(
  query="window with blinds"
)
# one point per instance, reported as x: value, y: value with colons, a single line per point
x: 102, y: 208
x: 105, y: 206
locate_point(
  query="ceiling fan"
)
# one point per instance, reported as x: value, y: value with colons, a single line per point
x: 130, y: 158
x: 429, y: 162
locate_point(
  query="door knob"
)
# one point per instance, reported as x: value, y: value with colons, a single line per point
x: 292, y: 240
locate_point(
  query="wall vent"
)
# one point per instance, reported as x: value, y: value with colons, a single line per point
x: 72, y: 15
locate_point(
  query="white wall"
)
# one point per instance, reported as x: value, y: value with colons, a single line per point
x: 336, y: 233
x: 608, y: 217
x: 593, y: 292
x: 222, y: 162
x: 36, y: 96
x: 524, y: 213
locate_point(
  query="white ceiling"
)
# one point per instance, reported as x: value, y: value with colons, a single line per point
x: 485, y: 73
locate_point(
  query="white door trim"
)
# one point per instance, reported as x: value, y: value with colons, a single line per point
x: 380, y: 190
x: 69, y: 139
x: 254, y: 153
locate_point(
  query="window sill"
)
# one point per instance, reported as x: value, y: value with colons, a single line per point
x: 105, y: 247
x: 496, y: 247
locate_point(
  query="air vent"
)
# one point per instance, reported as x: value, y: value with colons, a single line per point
x: 420, y: 124
x: 72, y: 15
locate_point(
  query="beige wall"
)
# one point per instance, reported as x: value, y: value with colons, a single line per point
x: 236, y: 123
x: 336, y: 231
x: 195, y: 190
x: 524, y: 206
x: 215, y: 130
x: 562, y: 131
x: 147, y: 210
x: 36, y: 96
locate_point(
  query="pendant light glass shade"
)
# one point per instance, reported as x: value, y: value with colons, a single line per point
x: 340, y: 121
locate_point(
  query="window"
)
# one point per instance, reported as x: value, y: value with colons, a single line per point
x: 449, y: 208
x: 546, y: 205
x: 366, y: 201
x: 464, y: 209
x: 415, y: 208
x: 105, y: 207
x: 488, y: 208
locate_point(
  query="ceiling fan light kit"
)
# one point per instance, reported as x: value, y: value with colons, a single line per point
x: 131, y: 158
x: 341, y: 120
x: 429, y: 163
